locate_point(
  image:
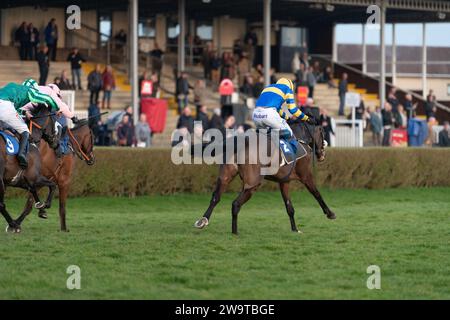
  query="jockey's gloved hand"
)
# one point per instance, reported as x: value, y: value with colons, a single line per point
x: 74, y: 120
x: 311, y: 120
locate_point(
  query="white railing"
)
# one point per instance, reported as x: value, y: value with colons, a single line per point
x: 347, y: 133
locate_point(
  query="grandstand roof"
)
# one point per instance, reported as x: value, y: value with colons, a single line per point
x: 305, y: 12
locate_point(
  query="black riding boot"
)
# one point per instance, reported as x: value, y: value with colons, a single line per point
x: 23, y: 150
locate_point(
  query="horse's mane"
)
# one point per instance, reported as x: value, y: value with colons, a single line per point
x: 80, y: 123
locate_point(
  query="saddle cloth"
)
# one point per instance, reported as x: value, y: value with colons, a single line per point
x: 287, y: 152
x: 12, y: 144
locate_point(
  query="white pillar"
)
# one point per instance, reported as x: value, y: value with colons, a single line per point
x: 134, y: 58
x: 382, y: 88
x: 394, y: 57
x: 267, y: 23
x: 181, y: 42
x: 424, y: 60
x: 364, y: 50
x: 335, y: 47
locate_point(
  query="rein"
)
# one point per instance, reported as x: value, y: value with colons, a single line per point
x: 80, y: 153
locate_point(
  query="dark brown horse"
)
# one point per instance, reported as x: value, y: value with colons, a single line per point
x: 42, y: 126
x: 60, y: 170
x: 312, y: 139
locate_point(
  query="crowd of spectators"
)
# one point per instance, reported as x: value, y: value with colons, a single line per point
x: 28, y: 39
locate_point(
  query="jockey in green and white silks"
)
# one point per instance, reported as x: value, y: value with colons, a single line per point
x: 13, y: 97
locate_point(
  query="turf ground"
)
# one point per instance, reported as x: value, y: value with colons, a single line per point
x: 147, y: 248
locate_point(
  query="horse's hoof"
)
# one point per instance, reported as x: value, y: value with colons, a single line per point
x: 331, y: 215
x: 13, y: 229
x: 42, y: 215
x: 39, y: 205
x: 200, y: 224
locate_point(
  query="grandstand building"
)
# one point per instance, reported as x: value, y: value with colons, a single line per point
x: 376, y: 57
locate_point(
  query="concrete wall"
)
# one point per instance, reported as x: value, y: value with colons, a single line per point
x: 438, y: 85
x: 86, y: 38
x: 12, y: 18
x: 230, y: 30
x: 120, y: 21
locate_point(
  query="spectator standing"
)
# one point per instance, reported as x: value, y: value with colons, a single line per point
x: 21, y: 37
x: 401, y: 119
x: 216, y: 63
x: 216, y: 121
x: 120, y: 39
x: 143, y: 132
x: 76, y: 59
x: 237, y: 50
x: 94, y: 84
x: 430, y: 104
x: 431, y: 123
x: 208, y: 54
x: 129, y: 112
x: 392, y: 99
x: 343, y: 88
x: 376, y: 126
x: 243, y: 68
x: 326, y: 122
x: 328, y: 77
x: 304, y: 60
x: 311, y: 81
x: 94, y: 117
x: 408, y: 105
x: 259, y: 86
x: 155, y: 83
x: 64, y: 83
x: 44, y: 64
x: 199, y: 94
x: 125, y: 132
x: 444, y: 135
x: 33, y: 34
x: 227, y: 66
x: 182, y: 91
x: 51, y: 38
x: 250, y: 43
x: 295, y: 64
x: 144, y: 76
x: 156, y: 56
x: 202, y: 116
x: 388, y: 122
x: 109, y: 84
x: 185, y: 120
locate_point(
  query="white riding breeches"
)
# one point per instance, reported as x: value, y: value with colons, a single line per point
x: 9, y: 115
x: 269, y: 118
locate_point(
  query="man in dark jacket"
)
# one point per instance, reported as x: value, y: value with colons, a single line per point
x: 76, y: 60
x: 444, y: 135
x: 182, y: 91
x: 95, y: 84
x: 33, y: 35
x: 388, y: 122
x: 202, y: 116
x: 343, y: 84
x: 21, y: 36
x: 44, y: 64
x: 125, y: 132
x: 186, y: 120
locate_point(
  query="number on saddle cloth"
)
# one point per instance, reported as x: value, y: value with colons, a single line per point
x: 11, y: 143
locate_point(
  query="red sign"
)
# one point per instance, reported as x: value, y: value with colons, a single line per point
x: 399, y: 138
x: 146, y: 88
x: 226, y: 87
x: 302, y: 95
x: 156, y: 111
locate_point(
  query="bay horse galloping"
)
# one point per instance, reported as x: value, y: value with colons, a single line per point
x: 312, y: 140
x: 59, y: 170
x: 42, y: 126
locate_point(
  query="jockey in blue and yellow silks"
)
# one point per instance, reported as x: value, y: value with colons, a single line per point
x: 268, y: 111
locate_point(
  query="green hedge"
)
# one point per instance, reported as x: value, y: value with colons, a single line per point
x: 130, y: 172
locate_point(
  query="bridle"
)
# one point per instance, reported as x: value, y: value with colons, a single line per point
x: 79, y: 150
x: 33, y: 124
